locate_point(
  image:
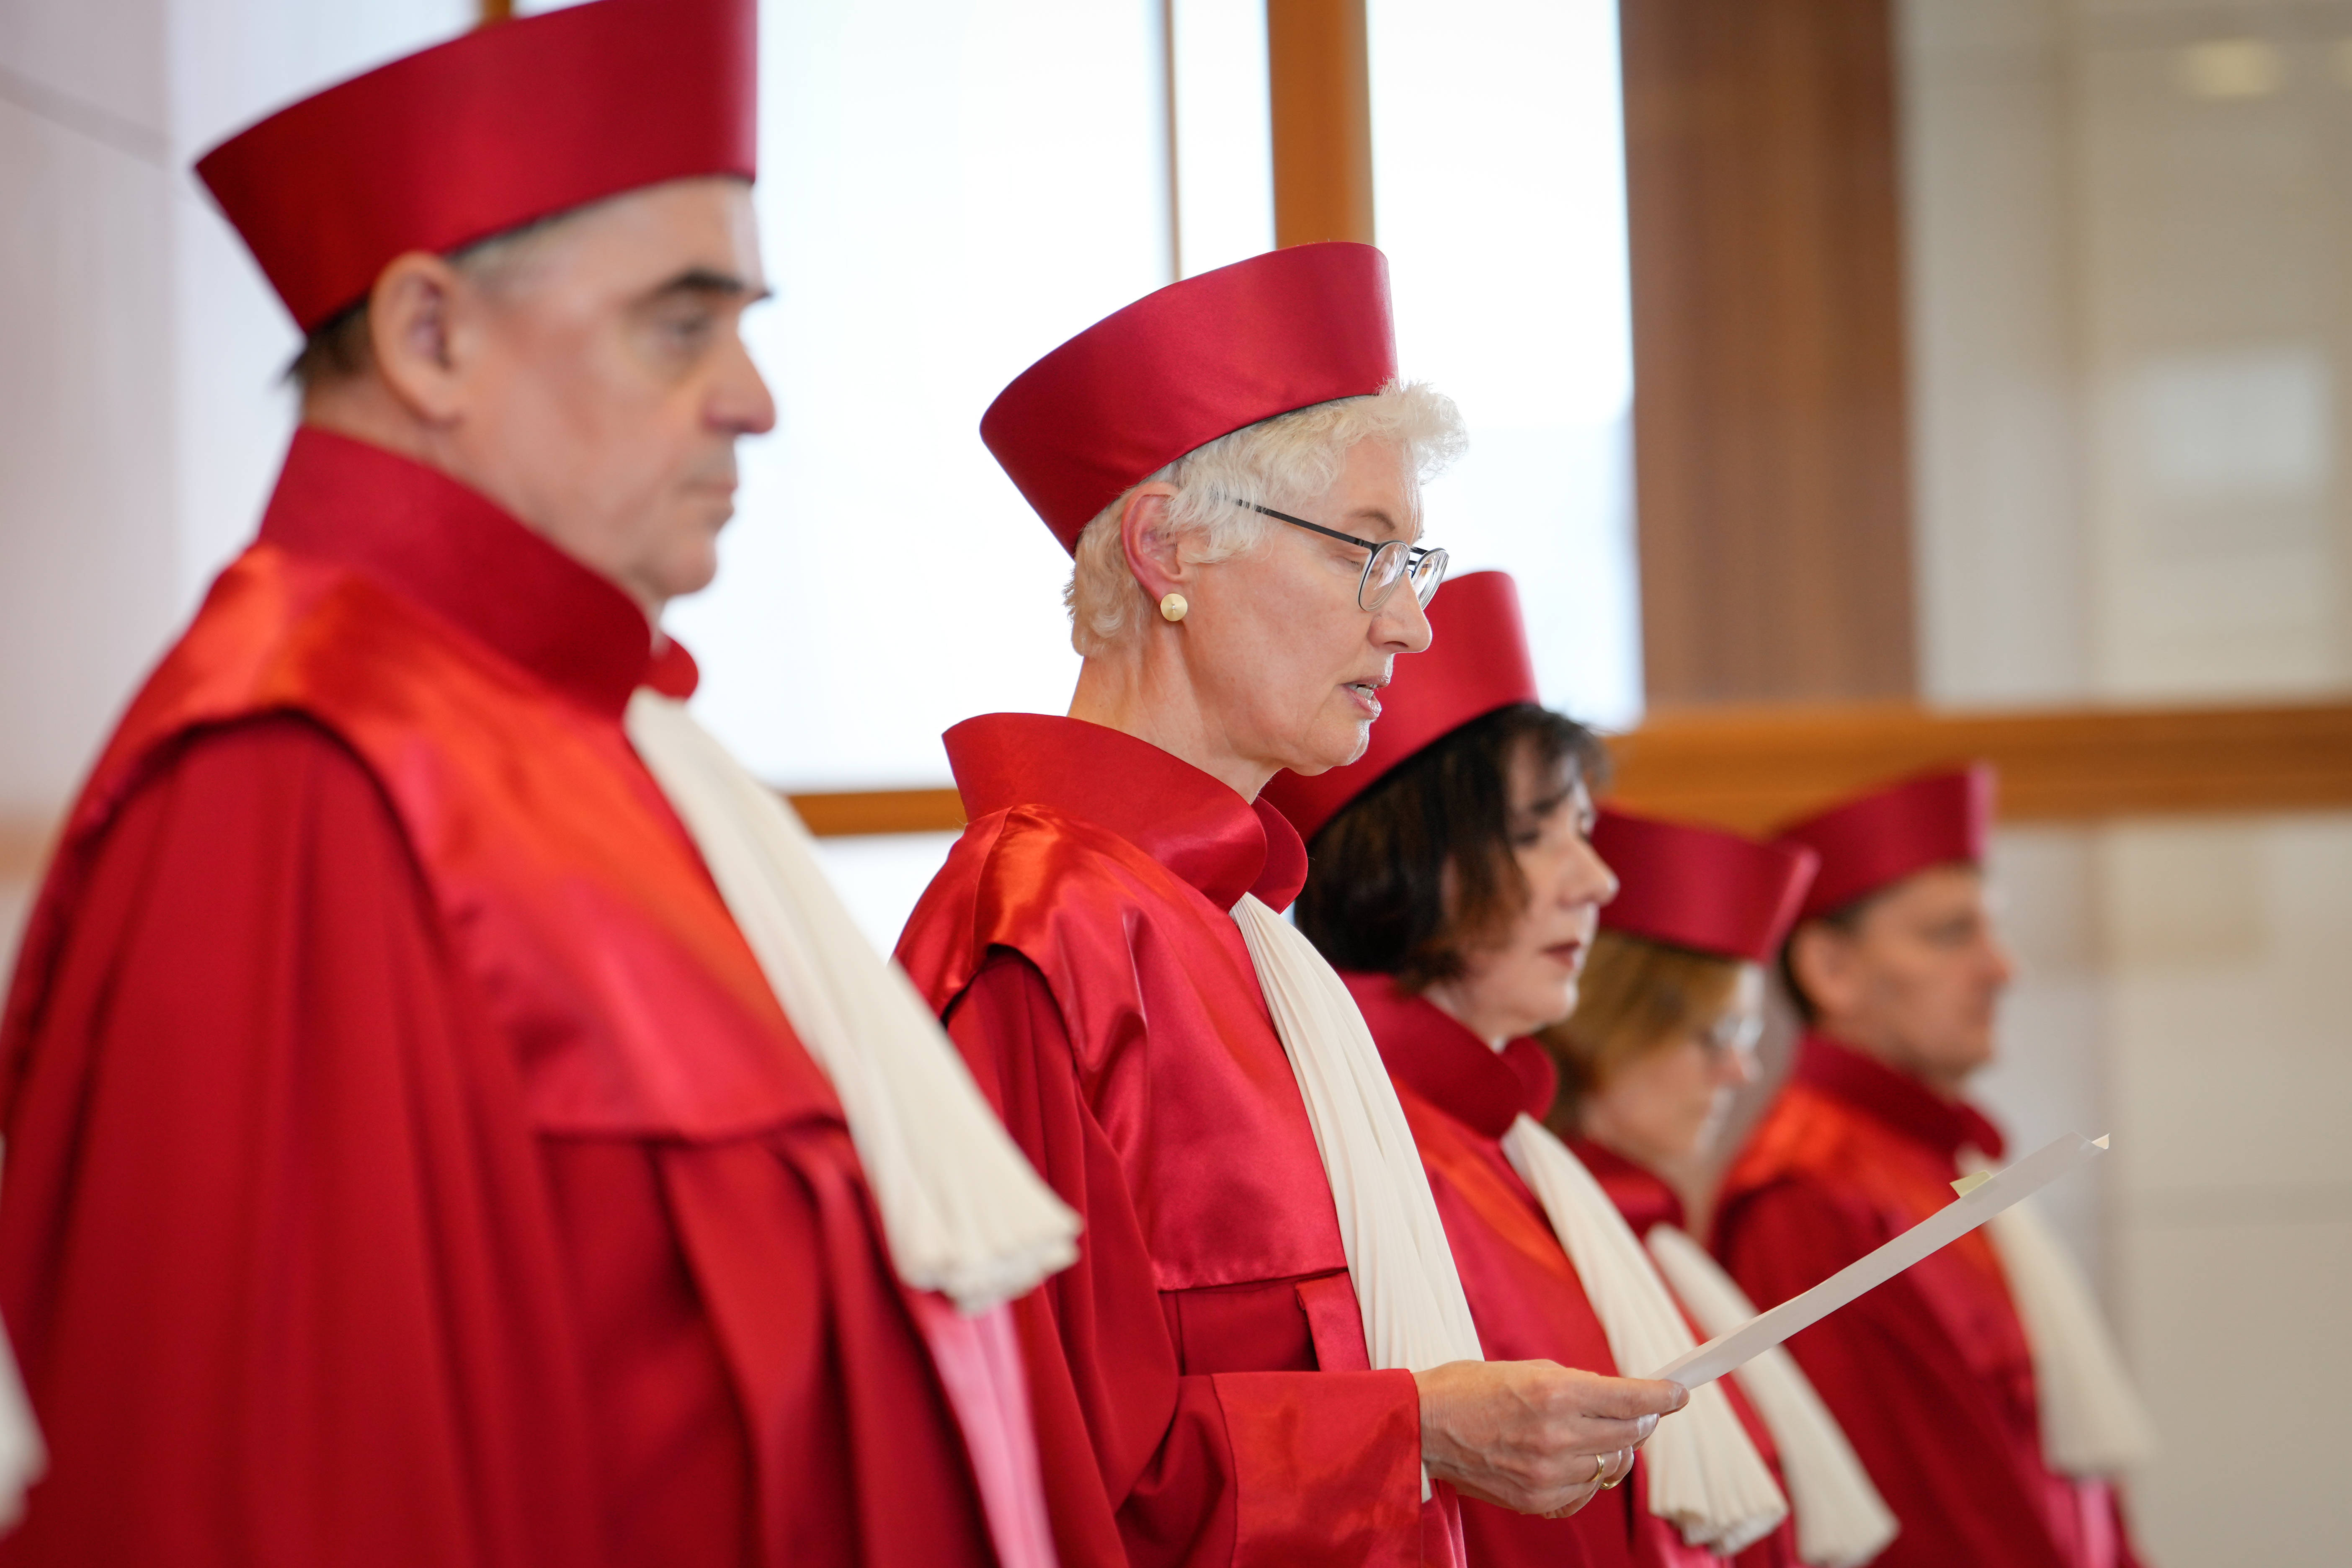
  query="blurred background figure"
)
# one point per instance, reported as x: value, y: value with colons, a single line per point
x: 1667, y: 1017
x: 1978, y: 1386
x: 1451, y: 883
x: 1855, y: 386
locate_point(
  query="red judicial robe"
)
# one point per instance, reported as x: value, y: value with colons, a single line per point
x: 1461, y: 1096
x: 1200, y: 1378
x: 406, y: 1162
x: 1930, y: 1374
x: 1646, y: 1201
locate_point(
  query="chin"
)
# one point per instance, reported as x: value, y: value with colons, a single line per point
x: 692, y: 572
x: 1319, y: 753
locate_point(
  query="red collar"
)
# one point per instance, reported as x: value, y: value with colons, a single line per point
x: 1895, y: 1099
x: 1638, y: 1193
x: 1430, y: 1053
x: 1190, y: 822
x: 421, y: 534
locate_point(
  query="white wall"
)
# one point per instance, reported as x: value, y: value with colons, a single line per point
x: 141, y: 418
x: 2128, y: 243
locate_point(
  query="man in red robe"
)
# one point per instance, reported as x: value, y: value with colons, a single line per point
x: 1897, y: 964
x: 408, y: 1160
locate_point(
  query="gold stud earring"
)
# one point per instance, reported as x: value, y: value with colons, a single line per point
x: 1172, y: 607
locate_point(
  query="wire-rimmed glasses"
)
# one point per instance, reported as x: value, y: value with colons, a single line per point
x: 1392, y: 560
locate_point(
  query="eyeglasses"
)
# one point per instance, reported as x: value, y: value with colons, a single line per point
x: 1392, y: 562
x: 1738, y: 1032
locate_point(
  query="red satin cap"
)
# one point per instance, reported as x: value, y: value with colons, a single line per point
x: 1936, y: 819
x: 1477, y: 661
x: 505, y: 125
x: 1188, y: 364
x: 1701, y: 887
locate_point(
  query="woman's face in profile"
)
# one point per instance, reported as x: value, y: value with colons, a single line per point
x: 1283, y: 660
x: 1516, y: 982
x: 1668, y: 1103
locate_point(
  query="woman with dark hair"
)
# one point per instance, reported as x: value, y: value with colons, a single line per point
x: 1452, y: 882
x: 1667, y: 1020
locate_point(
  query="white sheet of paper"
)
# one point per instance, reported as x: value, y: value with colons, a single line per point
x: 1979, y: 1203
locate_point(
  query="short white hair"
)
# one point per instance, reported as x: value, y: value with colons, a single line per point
x: 1286, y: 462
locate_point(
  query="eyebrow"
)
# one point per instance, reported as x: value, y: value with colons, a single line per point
x: 1538, y: 810
x: 1381, y: 516
x: 710, y: 282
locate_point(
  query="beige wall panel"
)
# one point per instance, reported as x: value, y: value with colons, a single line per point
x: 2236, y: 1329
x: 2050, y: 1075
x: 2229, y: 996
x: 1996, y: 435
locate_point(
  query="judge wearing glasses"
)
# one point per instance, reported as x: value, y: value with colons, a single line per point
x: 1264, y: 1353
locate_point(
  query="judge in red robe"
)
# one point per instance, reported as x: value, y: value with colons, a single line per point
x: 1234, y: 468
x: 1452, y: 882
x: 407, y: 1161
x: 1668, y: 1015
x: 1897, y: 964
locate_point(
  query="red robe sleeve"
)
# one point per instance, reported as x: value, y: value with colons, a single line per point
x: 273, y: 1247
x: 1143, y: 1463
x: 1942, y: 1455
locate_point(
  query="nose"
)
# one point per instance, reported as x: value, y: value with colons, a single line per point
x: 2001, y: 964
x: 741, y: 402
x: 1402, y: 625
x: 1589, y: 879
x: 1736, y: 1068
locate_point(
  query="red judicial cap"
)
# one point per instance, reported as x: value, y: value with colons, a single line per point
x: 1873, y: 842
x: 506, y: 125
x: 1701, y: 887
x: 1188, y: 364
x: 1477, y: 661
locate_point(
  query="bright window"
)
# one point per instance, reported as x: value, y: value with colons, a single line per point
x: 948, y: 188
x: 1499, y: 194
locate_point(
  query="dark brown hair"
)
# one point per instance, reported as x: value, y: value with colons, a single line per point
x: 1635, y: 996
x: 1376, y: 895
x: 336, y: 350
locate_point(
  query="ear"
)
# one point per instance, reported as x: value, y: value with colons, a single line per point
x: 1821, y: 958
x: 1152, y: 555
x: 414, y: 332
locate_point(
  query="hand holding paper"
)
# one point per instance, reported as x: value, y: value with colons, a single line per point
x: 1978, y: 1202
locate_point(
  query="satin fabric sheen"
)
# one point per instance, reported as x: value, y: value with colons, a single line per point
x: 406, y: 1162
x: 1461, y: 1096
x: 1930, y: 1374
x: 1200, y: 1378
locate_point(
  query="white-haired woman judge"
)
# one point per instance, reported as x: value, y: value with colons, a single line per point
x: 1264, y: 1353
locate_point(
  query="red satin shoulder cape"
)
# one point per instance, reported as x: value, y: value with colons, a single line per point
x: 405, y: 1161
x: 1199, y: 1378
x: 1461, y: 1096
x: 1930, y: 1374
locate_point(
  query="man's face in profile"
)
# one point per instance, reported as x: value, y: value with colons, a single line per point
x: 607, y: 380
x: 1917, y: 980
